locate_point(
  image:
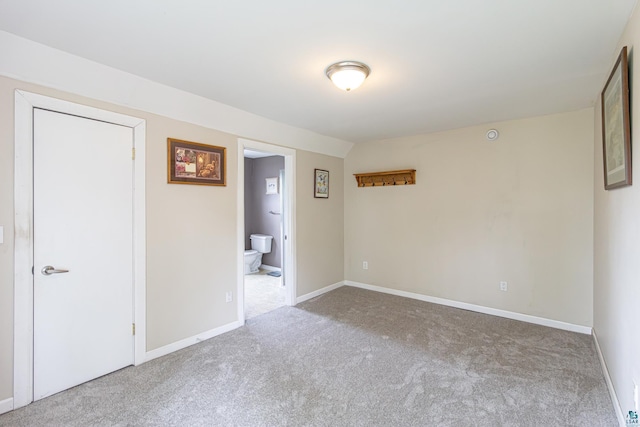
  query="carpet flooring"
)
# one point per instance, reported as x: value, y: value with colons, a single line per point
x: 352, y: 357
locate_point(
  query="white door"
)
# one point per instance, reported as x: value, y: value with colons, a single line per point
x: 83, y: 223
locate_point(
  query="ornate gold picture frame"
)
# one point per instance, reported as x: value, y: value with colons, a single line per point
x: 194, y: 163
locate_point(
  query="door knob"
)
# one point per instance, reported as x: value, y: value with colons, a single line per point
x: 48, y: 270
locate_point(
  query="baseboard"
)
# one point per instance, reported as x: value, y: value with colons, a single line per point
x: 179, y: 345
x: 607, y: 378
x: 477, y: 308
x: 6, y: 405
x: 269, y: 267
x: 319, y: 292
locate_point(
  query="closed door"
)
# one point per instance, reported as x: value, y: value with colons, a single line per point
x: 83, y: 250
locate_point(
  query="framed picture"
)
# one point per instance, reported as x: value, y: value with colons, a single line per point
x: 616, y: 135
x: 194, y: 163
x: 272, y: 185
x: 321, y: 187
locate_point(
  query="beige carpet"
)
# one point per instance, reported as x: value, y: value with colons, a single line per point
x: 352, y: 357
x: 262, y: 293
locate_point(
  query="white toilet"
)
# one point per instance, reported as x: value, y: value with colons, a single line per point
x: 260, y: 244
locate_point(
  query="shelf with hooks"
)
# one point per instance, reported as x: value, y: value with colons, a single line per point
x: 379, y: 179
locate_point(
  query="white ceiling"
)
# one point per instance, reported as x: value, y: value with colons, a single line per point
x: 436, y: 64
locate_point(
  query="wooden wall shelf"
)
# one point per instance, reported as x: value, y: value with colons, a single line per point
x: 379, y: 179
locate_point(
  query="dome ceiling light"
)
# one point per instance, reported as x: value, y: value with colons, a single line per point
x: 348, y: 75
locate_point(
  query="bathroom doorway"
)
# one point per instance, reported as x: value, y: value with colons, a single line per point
x: 266, y: 206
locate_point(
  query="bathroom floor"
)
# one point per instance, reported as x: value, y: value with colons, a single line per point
x: 262, y: 293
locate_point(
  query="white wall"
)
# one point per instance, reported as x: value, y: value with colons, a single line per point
x: 617, y: 247
x: 518, y: 210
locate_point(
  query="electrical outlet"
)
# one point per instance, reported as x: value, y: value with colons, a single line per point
x: 365, y: 265
x: 503, y: 286
x: 229, y: 296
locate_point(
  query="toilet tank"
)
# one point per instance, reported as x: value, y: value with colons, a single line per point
x: 261, y: 243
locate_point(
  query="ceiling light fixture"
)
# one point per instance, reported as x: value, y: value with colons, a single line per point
x: 348, y: 75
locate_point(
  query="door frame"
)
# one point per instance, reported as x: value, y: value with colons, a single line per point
x: 289, y: 226
x: 25, y: 102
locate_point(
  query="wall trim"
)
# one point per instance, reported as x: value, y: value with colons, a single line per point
x: 607, y: 378
x: 319, y: 292
x: 187, y: 342
x: 6, y: 405
x: 477, y: 308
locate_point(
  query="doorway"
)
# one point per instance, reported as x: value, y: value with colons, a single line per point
x: 52, y: 350
x: 264, y: 288
x: 266, y: 207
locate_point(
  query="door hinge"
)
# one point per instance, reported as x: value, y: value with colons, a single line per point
x: 133, y: 154
x: 133, y: 328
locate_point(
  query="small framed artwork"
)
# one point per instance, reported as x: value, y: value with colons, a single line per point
x: 616, y: 135
x: 195, y: 163
x: 272, y: 185
x: 321, y: 187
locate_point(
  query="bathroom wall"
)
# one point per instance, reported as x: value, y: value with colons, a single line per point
x: 258, y: 220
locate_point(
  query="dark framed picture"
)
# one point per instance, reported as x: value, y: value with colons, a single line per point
x: 616, y: 126
x: 194, y: 163
x: 321, y: 184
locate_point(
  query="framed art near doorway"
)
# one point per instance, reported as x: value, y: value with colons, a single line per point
x: 321, y: 186
x: 194, y: 163
x: 616, y: 134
